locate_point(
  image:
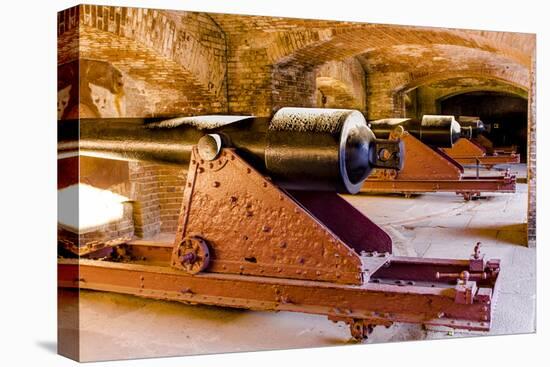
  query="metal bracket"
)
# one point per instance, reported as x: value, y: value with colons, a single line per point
x: 386, y: 154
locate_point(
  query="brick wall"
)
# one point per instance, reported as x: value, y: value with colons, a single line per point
x: 532, y: 162
x: 121, y: 228
x: 172, y: 63
x: 171, y: 181
x: 341, y: 84
x: 426, y: 98
x: 257, y: 87
x: 293, y: 85
x: 157, y: 191
x: 249, y: 89
x: 382, y: 99
x: 145, y: 196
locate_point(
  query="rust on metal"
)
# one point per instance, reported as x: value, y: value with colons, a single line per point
x: 252, y: 227
x: 422, y: 162
x: 468, y: 152
x: 402, y: 290
x: 511, y: 149
x: 484, y: 142
x: 464, y: 148
x: 191, y: 255
x: 91, y: 247
x: 244, y: 242
x: 427, y: 169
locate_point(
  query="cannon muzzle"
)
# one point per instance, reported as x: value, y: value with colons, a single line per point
x: 471, y: 126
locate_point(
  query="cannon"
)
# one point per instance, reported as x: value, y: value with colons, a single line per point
x: 477, y: 149
x: 471, y: 127
x: 302, y: 149
x: 262, y: 227
x: 429, y: 162
x: 433, y: 130
x: 480, y: 138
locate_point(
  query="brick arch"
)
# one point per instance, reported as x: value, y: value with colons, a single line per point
x: 154, y: 85
x: 415, y: 80
x: 335, y: 93
x: 191, y: 40
x: 424, y: 60
x: 386, y: 91
x: 341, y: 84
x: 501, y: 89
x: 458, y: 83
x: 500, y: 59
x: 322, y: 45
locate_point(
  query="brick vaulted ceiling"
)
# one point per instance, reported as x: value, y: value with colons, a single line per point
x: 330, y: 33
x: 195, y: 47
x: 426, y: 55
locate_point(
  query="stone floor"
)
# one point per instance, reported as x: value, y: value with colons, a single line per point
x: 431, y: 225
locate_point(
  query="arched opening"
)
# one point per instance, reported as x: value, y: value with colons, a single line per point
x: 423, y: 95
x: 504, y: 114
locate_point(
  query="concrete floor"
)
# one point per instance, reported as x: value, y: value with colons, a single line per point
x: 431, y: 225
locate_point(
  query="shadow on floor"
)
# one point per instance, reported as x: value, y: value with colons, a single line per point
x: 48, y: 345
x: 177, y: 309
x: 514, y: 234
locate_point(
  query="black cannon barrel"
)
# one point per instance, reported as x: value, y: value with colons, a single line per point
x: 471, y: 125
x: 300, y: 148
x: 436, y: 130
x: 161, y: 141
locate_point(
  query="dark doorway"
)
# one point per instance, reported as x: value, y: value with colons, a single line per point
x: 505, y: 116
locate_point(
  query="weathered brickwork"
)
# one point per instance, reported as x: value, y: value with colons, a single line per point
x: 293, y: 85
x: 171, y: 63
x: 121, y: 228
x: 427, y: 97
x: 386, y: 91
x: 192, y: 40
x: 165, y: 63
x: 382, y: 99
x: 249, y: 87
x: 145, y: 196
x: 341, y: 84
x: 153, y: 85
x: 171, y: 181
x: 532, y: 162
x: 157, y: 191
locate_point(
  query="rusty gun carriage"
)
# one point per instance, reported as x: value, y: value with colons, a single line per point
x: 475, y: 149
x: 262, y: 226
x: 427, y: 167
